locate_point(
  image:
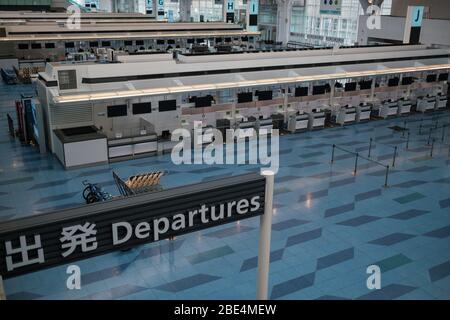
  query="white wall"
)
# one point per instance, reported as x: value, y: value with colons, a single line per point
x: 433, y: 31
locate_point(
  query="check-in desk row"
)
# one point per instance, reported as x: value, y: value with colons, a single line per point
x: 306, y: 121
x: 425, y: 104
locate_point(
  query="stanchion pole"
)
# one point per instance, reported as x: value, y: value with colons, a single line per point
x: 386, y: 177
x: 356, y: 163
x: 2, y: 290
x: 265, y: 230
x: 429, y: 136
x: 332, y: 153
x: 432, y: 147
x: 420, y: 128
x: 404, y: 128
x: 370, y: 148
x: 443, y: 132
x: 395, y: 156
x: 407, y: 141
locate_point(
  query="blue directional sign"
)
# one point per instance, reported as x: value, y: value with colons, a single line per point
x: 417, y: 16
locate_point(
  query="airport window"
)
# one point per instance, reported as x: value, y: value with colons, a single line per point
x: 167, y: 105
x: 117, y: 111
x: 23, y: 46
x: 36, y: 46
x: 49, y: 45
x: 142, y: 107
x: 67, y: 79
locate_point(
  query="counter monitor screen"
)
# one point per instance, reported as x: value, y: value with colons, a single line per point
x: 119, y: 110
x: 301, y: 91
x: 23, y: 46
x: 364, y: 85
x: 36, y: 46
x: 393, y: 82
x: 170, y: 41
x: 350, y: 86
x: 139, y: 42
x: 264, y: 95
x: 245, y: 97
x: 106, y: 43
x: 167, y: 105
x: 49, y: 45
x: 93, y: 44
x: 443, y: 77
x: 142, y: 107
x: 70, y: 45
x: 218, y: 40
x: 205, y: 101
x: 128, y: 42
x: 407, y: 81
x: 190, y: 40
x: 318, y: 90
x: 160, y: 41
x: 431, y: 78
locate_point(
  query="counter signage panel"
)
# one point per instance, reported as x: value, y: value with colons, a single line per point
x: 51, y: 239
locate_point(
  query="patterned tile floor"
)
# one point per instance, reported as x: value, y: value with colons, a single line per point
x: 329, y: 224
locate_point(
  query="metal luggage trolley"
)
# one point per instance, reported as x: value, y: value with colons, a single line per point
x: 145, y: 182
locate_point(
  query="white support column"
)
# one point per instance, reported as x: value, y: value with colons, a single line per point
x: 265, y: 230
x: 185, y: 10
x: 284, y: 9
x: 2, y: 290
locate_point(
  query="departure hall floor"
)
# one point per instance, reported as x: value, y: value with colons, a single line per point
x: 329, y: 225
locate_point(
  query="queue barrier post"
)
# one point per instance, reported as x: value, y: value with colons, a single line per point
x: 356, y: 163
x: 432, y: 147
x: 443, y: 132
x: 332, y: 153
x: 265, y: 230
x: 407, y: 141
x: 429, y: 136
x: 394, y: 157
x: 370, y: 147
x: 386, y: 177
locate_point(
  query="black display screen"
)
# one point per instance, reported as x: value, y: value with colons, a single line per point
x: 70, y: 45
x: 49, y: 45
x: 139, y: 42
x: 253, y: 20
x: 218, y: 40
x: 203, y: 101
x: 167, y: 105
x: 170, y: 41
x: 106, y: 43
x: 245, y: 97
x: 264, y: 95
x: 393, y: 82
x: 350, y: 86
x: 160, y: 42
x: 227, y: 39
x: 36, y: 46
x: 431, y: 78
x: 142, y: 107
x: 318, y: 90
x: 364, y: 85
x: 190, y: 40
x: 119, y: 110
x: 93, y: 44
x: 128, y: 43
x: 301, y: 91
x: 443, y: 77
x: 23, y: 46
x: 407, y: 81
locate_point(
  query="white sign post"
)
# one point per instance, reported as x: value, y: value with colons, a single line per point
x: 265, y: 231
x: 2, y: 290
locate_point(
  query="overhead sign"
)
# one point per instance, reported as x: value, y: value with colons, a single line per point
x: 160, y: 9
x: 37, y: 242
x: 228, y: 11
x: 330, y: 6
x: 252, y: 14
x: 417, y: 16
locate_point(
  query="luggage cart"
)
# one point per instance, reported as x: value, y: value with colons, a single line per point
x: 145, y: 182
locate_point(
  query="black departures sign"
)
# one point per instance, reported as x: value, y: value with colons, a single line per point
x: 50, y: 239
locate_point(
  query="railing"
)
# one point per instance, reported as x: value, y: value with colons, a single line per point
x: 357, y: 156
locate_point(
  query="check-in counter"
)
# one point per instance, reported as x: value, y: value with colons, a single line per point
x: 363, y: 113
x: 346, y: 115
x: 266, y: 124
x: 316, y: 120
x: 81, y: 146
x: 207, y: 136
x: 388, y: 109
x: 404, y: 107
x: 298, y: 122
x: 425, y: 104
x: 247, y: 129
x: 132, y: 146
x: 441, y: 102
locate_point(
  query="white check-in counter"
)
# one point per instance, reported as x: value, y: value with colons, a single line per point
x: 132, y: 146
x: 363, y: 113
x: 441, y: 102
x: 388, y: 109
x: 316, y: 120
x: 298, y: 122
x: 404, y: 107
x: 425, y: 104
x: 346, y: 115
x: 82, y: 146
x: 266, y: 124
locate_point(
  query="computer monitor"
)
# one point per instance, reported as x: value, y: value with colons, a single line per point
x: 393, y: 82
x: 443, y: 77
x: 167, y: 105
x: 245, y: 97
x: 318, y: 90
x: 431, y: 77
x: 264, y: 95
x: 301, y: 91
x: 119, y: 110
x: 350, y: 86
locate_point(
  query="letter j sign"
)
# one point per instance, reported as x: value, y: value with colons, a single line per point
x: 417, y: 16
